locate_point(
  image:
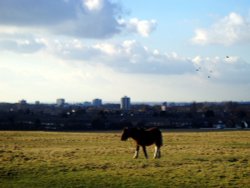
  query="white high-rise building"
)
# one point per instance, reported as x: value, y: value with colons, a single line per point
x: 60, y: 102
x: 125, y: 103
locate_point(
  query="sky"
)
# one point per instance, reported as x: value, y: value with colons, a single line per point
x: 162, y: 50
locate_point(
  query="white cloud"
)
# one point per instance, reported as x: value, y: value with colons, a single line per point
x: 142, y: 27
x: 131, y: 57
x: 84, y: 19
x: 201, y: 36
x: 229, y: 30
x: 128, y: 57
x: 109, y: 49
x: 93, y: 4
x: 21, y: 45
x: 20, y: 40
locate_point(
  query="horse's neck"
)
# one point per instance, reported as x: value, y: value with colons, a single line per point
x: 136, y: 134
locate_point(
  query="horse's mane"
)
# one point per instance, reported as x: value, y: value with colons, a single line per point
x: 139, y: 128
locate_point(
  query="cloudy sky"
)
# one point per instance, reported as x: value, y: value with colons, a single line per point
x: 158, y: 50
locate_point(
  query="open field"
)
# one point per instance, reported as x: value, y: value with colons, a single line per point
x: 59, y: 159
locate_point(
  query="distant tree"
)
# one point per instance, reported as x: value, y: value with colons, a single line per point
x: 140, y: 124
x: 125, y: 123
x: 242, y: 124
x: 193, y: 107
x: 37, y: 123
x: 230, y: 106
x: 163, y: 113
x: 64, y: 115
x: 209, y: 114
x: 12, y: 120
x: 241, y: 114
x: 98, y: 123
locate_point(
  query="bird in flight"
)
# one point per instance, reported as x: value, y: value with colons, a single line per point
x: 198, y: 69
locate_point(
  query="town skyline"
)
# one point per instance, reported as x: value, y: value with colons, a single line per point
x: 63, y: 116
x: 118, y: 101
x: 155, y: 51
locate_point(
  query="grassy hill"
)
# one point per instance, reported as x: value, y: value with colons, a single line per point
x: 100, y: 159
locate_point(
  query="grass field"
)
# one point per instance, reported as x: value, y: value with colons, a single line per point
x: 189, y: 159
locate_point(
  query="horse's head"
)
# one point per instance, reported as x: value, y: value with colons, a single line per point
x: 125, y: 134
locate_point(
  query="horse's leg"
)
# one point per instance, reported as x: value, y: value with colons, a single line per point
x: 145, y: 151
x: 136, y: 151
x: 157, y: 153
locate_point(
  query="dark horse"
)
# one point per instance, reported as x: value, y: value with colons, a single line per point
x: 144, y: 138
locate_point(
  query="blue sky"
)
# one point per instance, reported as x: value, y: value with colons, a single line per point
x: 149, y: 50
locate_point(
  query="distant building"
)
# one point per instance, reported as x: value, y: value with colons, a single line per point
x: 97, y: 102
x: 164, y: 106
x: 125, y: 103
x: 60, y: 102
x: 22, y: 102
x: 86, y: 104
x: 37, y: 102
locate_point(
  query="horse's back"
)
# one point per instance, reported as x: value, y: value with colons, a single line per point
x: 153, y: 129
x: 155, y: 135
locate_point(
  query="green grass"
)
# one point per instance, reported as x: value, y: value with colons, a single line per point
x: 191, y: 159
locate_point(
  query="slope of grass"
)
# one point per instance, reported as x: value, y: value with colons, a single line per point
x: 194, y: 159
